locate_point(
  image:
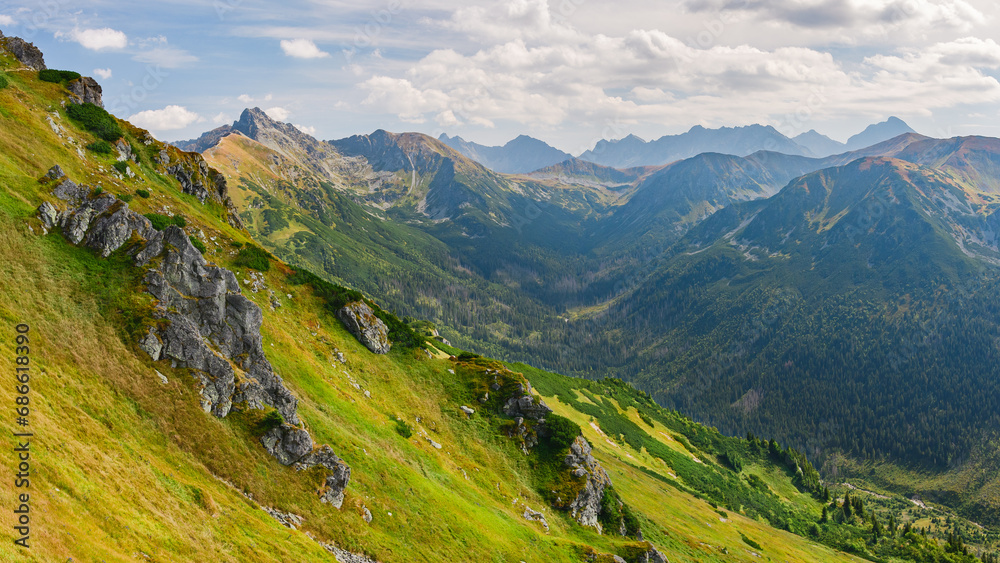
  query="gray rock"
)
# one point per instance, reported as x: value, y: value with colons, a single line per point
x: 365, y: 326
x: 86, y: 90
x: 653, y: 555
x: 55, y: 173
x: 346, y: 556
x: 287, y: 519
x: 163, y: 378
x: 332, y: 491
x: 48, y: 215
x: 536, y: 516
x: 586, y: 507
x: 366, y: 514
x: 29, y: 55
x: 151, y: 345
x: 287, y: 443
x: 522, y: 403
x: 467, y: 410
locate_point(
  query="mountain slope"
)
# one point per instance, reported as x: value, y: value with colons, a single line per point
x: 518, y: 156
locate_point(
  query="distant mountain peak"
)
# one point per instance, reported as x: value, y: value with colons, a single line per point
x: 878, y: 132
x: 520, y: 155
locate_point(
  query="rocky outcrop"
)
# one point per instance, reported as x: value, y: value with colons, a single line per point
x: 203, y: 322
x: 523, y: 404
x: 652, y: 555
x: 332, y: 491
x: 586, y: 507
x: 29, y: 55
x: 86, y: 90
x: 200, y: 180
x: 361, y: 321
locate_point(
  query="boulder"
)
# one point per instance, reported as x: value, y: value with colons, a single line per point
x: 586, y: 507
x: 361, y: 321
x: 287, y: 443
x: 332, y: 491
x: 86, y: 90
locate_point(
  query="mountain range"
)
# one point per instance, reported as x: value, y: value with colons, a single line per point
x: 525, y: 154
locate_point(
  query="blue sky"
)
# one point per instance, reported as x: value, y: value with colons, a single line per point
x: 569, y: 72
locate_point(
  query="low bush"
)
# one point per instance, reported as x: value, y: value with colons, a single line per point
x: 161, y: 222
x: 3, y: 81
x: 125, y: 197
x: 100, y: 147
x: 142, y: 193
x: 121, y: 166
x: 57, y: 76
x: 253, y: 257
x: 96, y: 120
x: 198, y: 244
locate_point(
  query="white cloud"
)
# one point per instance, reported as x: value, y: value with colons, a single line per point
x: 308, y: 130
x: 277, y: 113
x: 6, y: 20
x: 865, y: 17
x: 104, y: 73
x: 166, y: 119
x: 97, y: 39
x: 245, y: 98
x: 651, y: 77
x: 221, y: 118
x: 302, y: 49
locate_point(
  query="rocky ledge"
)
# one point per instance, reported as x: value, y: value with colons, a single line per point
x: 586, y: 507
x: 203, y: 322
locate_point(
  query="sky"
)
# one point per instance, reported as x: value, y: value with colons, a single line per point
x: 569, y: 72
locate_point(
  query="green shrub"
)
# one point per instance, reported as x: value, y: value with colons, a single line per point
x: 254, y: 257
x: 751, y: 543
x: 403, y: 429
x: 96, y: 120
x: 161, y: 222
x: 121, y: 166
x: 57, y: 76
x: 198, y: 244
x: 125, y: 197
x: 98, y: 191
x: 3, y: 81
x: 271, y: 420
x: 562, y: 431
x: 100, y: 147
x: 236, y: 244
x: 142, y: 193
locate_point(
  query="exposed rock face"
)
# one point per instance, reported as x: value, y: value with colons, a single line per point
x: 523, y: 404
x: 586, y: 507
x: 365, y: 326
x: 29, y: 55
x: 198, y: 179
x: 210, y: 328
x: 86, y: 90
